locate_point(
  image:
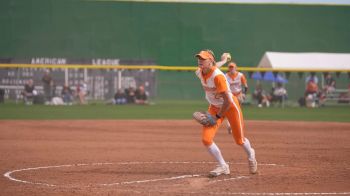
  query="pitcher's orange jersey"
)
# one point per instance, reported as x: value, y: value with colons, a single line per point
x: 214, y: 83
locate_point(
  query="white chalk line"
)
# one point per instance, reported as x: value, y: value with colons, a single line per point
x: 8, y: 175
x: 153, y: 180
x: 229, y: 179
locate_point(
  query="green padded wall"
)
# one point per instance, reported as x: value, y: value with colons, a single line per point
x: 169, y: 33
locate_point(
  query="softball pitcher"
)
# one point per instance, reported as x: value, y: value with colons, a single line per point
x: 222, y: 104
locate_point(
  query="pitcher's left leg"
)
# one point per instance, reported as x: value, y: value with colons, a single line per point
x: 235, y: 117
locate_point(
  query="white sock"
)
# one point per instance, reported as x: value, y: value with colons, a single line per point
x: 248, y: 149
x: 214, y: 150
x: 228, y: 124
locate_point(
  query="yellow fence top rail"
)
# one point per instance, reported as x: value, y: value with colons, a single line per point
x: 158, y: 67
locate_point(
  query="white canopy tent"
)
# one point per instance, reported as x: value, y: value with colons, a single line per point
x: 306, y: 61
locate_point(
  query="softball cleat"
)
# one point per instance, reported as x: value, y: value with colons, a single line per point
x: 253, y: 164
x: 219, y: 170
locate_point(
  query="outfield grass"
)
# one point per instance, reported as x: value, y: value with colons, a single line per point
x: 167, y: 110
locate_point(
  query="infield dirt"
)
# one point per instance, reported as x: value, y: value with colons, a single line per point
x: 166, y: 157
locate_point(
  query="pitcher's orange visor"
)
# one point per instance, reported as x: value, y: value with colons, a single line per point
x: 205, y: 55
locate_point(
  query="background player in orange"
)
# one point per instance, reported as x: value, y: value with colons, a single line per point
x: 237, y: 80
x: 222, y: 104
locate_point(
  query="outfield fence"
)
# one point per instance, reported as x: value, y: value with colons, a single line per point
x: 160, y: 82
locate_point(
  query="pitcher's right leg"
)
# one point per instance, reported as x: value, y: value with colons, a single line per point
x: 208, y: 134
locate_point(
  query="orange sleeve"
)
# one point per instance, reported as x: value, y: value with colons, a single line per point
x: 244, y: 80
x: 220, y: 83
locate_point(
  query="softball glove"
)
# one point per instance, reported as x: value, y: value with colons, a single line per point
x: 204, y: 118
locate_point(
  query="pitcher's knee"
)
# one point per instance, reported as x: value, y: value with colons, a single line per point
x: 207, y: 142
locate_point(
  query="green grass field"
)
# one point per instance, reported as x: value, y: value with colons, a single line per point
x: 168, y: 110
